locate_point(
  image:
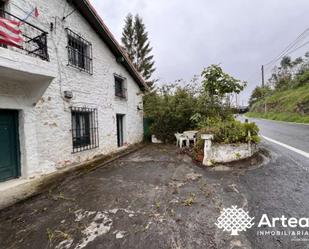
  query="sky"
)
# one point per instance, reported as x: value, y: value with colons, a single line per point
x: 187, y: 36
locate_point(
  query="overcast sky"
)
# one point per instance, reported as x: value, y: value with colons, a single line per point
x: 187, y: 36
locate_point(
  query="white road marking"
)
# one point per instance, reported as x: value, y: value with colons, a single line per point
x: 303, y: 153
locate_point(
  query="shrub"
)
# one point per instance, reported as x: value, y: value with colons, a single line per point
x: 228, y: 131
x: 170, y: 110
x: 179, y: 107
x: 302, y: 79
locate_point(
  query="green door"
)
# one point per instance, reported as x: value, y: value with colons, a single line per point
x: 9, y: 145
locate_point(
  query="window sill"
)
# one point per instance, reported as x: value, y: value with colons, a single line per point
x: 121, y: 98
x: 81, y: 149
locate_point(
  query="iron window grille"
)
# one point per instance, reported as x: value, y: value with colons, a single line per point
x: 120, y: 90
x: 85, y: 131
x: 79, y: 52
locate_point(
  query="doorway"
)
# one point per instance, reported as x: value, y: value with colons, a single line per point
x: 120, y: 129
x: 9, y: 145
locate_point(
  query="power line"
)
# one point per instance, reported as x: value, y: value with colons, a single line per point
x: 298, y: 47
x: 290, y: 46
x: 292, y: 51
x: 299, y: 38
x: 286, y: 53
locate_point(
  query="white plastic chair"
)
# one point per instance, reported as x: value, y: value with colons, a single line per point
x: 180, y: 139
x: 191, y: 136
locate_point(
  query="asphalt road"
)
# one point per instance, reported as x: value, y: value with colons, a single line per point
x: 295, y: 135
x: 281, y: 187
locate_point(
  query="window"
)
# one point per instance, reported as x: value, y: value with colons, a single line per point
x: 120, y: 90
x: 79, y: 52
x: 85, y: 133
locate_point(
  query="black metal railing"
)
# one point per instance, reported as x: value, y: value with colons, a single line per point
x: 34, y: 39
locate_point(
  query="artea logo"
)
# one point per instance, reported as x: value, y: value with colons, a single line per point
x: 234, y: 220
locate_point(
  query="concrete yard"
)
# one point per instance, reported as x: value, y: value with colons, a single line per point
x: 153, y: 198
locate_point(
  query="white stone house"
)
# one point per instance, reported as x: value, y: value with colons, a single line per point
x: 69, y: 94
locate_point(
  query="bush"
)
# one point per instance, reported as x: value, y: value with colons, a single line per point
x: 228, y: 131
x: 302, y: 79
x: 178, y: 107
x: 170, y: 110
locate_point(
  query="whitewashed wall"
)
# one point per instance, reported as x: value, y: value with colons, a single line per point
x: 50, y: 120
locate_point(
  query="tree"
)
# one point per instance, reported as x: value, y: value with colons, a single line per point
x: 259, y: 93
x: 128, y: 38
x: 136, y: 43
x: 218, y: 84
x: 286, y: 62
x: 283, y: 77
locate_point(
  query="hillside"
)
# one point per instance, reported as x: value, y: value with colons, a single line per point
x: 289, y: 105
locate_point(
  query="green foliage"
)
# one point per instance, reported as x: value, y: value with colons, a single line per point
x: 175, y: 108
x: 128, y: 37
x: 229, y: 131
x: 302, y: 78
x: 289, y: 98
x: 136, y: 43
x: 216, y: 88
x: 259, y: 93
x: 283, y: 116
x: 170, y: 108
x: 287, y: 105
x: 218, y: 83
x: 291, y: 73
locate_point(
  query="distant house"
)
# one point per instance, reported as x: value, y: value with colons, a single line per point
x: 69, y: 93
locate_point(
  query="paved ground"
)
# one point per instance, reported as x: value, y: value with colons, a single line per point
x: 295, y: 135
x: 282, y: 187
x: 158, y: 198
x: 154, y: 198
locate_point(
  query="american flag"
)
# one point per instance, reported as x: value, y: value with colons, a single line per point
x: 10, y: 33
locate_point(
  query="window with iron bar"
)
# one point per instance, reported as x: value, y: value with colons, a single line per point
x: 79, y: 52
x: 85, y: 131
x: 120, y: 90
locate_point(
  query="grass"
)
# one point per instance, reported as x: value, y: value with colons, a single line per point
x: 284, y: 101
x: 280, y: 116
x: 283, y: 105
x: 190, y: 200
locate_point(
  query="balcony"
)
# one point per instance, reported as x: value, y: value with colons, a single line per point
x: 35, y: 39
x: 25, y: 71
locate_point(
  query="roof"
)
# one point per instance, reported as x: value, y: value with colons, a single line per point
x: 93, y: 18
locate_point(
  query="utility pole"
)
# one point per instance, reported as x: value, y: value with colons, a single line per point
x: 263, y: 76
x: 263, y: 84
